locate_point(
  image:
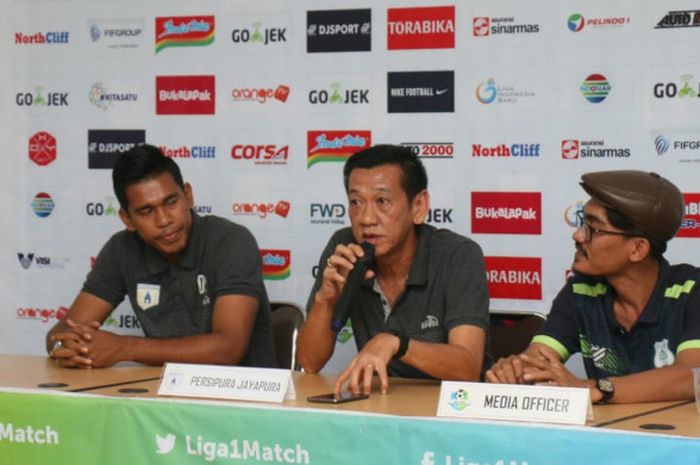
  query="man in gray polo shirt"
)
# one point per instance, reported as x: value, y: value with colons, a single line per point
x: 195, y: 283
x: 422, y: 311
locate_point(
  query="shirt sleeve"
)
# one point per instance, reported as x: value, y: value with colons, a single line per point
x: 238, y: 264
x: 560, y: 331
x: 105, y: 280
x: 691, y: 321
x: 466, y: 295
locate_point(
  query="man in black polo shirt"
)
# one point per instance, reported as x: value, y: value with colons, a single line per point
x: 634, y: 317
x: 195, y: 283
x: 422, y: 311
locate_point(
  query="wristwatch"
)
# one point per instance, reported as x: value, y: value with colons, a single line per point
x: 403, y: 344
x: 607, y: 388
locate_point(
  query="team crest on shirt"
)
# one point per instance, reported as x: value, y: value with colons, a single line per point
x: 662, y: 354
x: 147, y: 295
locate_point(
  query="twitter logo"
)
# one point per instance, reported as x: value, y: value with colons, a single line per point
x: 165, y: 445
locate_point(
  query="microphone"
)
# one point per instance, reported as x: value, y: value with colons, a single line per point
x: 352, y: 287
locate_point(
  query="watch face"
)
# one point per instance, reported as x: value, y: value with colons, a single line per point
x: 605, y: 385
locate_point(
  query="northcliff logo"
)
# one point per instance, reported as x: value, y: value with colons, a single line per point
x: 42, y: 38
x: 184, y: 31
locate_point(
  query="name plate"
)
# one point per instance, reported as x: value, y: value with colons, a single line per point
x: 226, y: 382
x: 514, y: 402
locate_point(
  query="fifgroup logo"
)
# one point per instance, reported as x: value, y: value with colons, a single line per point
x: 336, y: 94
x: 421, y: 92
x: 261, y: 154
x: 43, y: 204
x: 339, y: 30
x: 421, y: 27
x: 432, y: 150
x: 690, y: 227
x: 261, y: 94
x: 259, y: 35
x: 595, y: 88
x: 103, y: 99
x: 488, y: 92
x: 679, y: 19
x: 576, y: 22
x: 680, y: 90
x: 185, y: 95
x: 184, y: 31
x: 41, y: 98
x: 276, y: 264
x: 335, y: 146
x: 515, y: 150
x: 484, y: 26
x: 116, y: 33
x: 572, y: 149
x: 514, y: 277
x: 105, y: 145
x: 261, y: 209
x: 42, y: 38
x: 42, y: 148
x: 506, y: 212
x: 683, y: 146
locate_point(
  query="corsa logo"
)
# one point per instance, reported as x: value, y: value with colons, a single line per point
x: 422, y: 27
x: 263, y: 154
x: 507, y: 212
x: 514, y: 277
x: 184, y: 31
x: 690, y: 227
x: 276, y: 264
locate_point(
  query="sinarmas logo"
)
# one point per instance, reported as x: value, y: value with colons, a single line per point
x: 165, y: 444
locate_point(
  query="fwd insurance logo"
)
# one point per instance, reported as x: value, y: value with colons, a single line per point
x: 328, y: 213
x: 420, y: 28
x: 421, y: 92
x: 339, y: 31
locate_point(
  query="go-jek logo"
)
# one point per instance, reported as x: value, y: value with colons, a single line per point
x: 166, y: 444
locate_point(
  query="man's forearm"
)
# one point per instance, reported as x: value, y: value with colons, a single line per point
x: 661, y: 384
x: 316, y: 340
x: 444, y: 361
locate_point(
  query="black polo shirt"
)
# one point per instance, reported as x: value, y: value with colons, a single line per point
x: 177, y: 300
x: 582, y: 320
x: 446, y: 287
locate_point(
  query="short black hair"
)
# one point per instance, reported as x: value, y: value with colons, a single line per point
x: 138, y: 164
x: 657, y: 247
x: 414, y: 178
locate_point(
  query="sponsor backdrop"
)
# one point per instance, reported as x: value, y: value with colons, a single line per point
x: 506, y: 102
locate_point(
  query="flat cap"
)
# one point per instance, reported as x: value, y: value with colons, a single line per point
x: 652, y: 203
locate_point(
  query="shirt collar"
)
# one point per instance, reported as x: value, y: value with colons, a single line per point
x: 652, y: 312
x: 157, y: 264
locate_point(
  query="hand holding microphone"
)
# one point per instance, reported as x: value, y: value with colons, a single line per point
x: 353, y: 281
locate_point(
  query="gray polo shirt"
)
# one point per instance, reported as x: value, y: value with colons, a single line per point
x: 177, y: 300
x: 446, y: 287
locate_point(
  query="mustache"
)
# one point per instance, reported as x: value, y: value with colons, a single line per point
x: 580, y: 248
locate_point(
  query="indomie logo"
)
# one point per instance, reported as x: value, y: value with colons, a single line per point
x: 335, y: 146
x: 276, y: 264
x: 184, y: 31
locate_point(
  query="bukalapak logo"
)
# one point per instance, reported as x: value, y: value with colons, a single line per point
x: 679, y: 19
x: 484, y: 26
x: 506, y: 150
x: 420, y: 27
x: 335, y: 146
x: 690, y: 227
x: 185, y: 95
x: 506, y: 212
x: 421, y: 92
x: 514, y: 277
x: 337, y: 94
x: 184, y: 31
x: 105, y: 145
x: 339, y: 30
x: 432, y: 150
x: 261, y: 154
x: 276, y: 264
x: 573, y: 149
